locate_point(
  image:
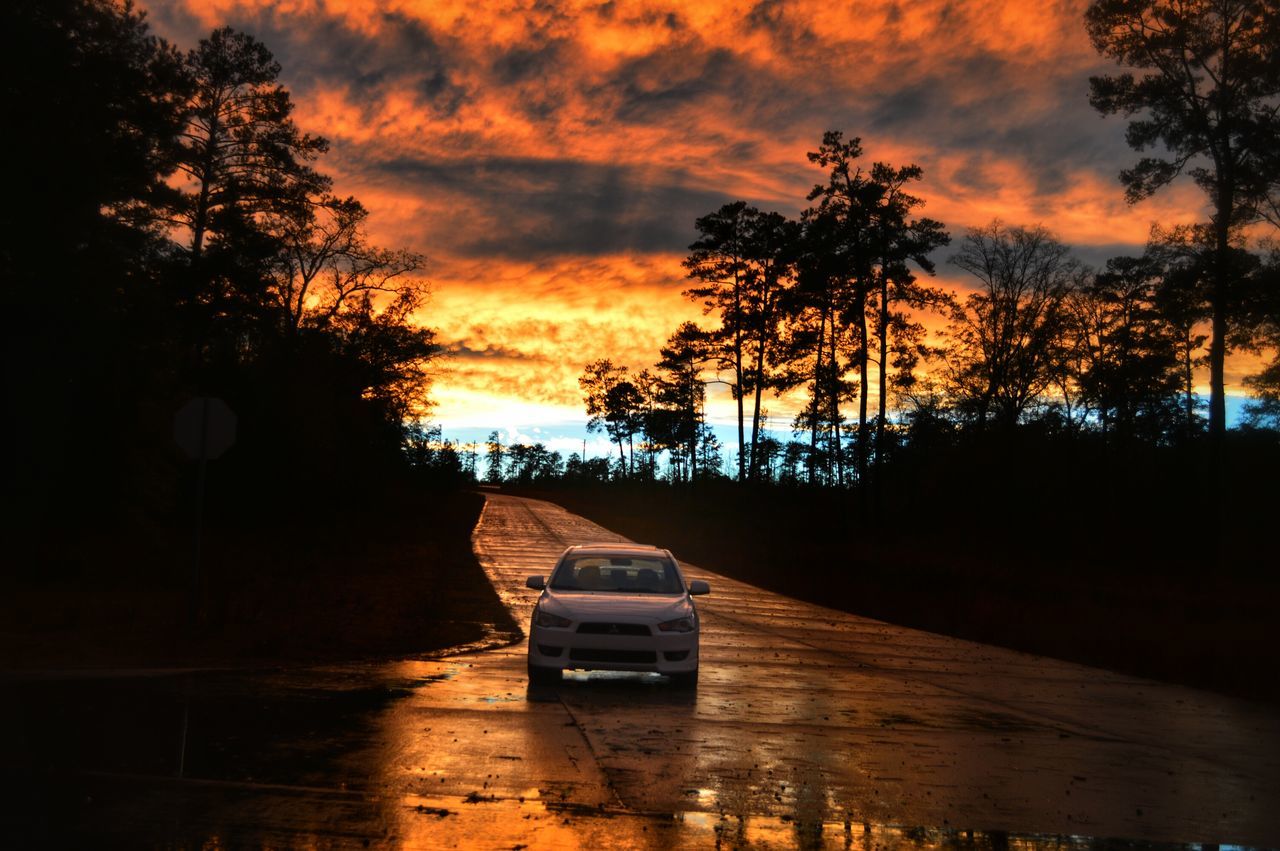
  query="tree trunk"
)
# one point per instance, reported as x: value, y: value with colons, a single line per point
x: 882, y: 369
x: 693, y: 435
x: 202, y: 213
x: 863, y: 351
x: 1188, y: 384
x: 817, y: 393
x: 1218, y: 341
x: 737, y: 371
x: 762, y: 341
x: 1217, y: 364
x: 201, y: 221
x: 834, y: 391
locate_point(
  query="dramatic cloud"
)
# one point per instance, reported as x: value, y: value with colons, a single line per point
x: 550, y: 158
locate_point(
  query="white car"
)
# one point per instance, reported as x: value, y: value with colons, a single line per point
x: 615, y: 607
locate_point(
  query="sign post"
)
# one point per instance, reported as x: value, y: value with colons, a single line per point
x: 204, y: 428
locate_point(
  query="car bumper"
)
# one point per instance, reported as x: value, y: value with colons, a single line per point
x: 671, y: 653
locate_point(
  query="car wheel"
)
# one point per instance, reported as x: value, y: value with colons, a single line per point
x: 685, y: 679
x: 543, y: 676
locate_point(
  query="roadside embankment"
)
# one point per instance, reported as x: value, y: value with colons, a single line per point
x: 395, y: 577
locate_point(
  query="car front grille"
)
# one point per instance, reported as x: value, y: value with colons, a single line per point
x: 613, y: 629
x: 591, y: 654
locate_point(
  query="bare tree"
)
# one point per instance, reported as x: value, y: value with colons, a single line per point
x: 1004, y: 338
x: 326, y: 260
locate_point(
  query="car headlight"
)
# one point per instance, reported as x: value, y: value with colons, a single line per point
x: 677, y: 625
x: 542, y: 618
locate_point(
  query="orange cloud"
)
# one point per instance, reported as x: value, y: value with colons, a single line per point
x: 525, y: 331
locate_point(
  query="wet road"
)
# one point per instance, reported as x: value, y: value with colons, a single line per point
x: 809, y: 727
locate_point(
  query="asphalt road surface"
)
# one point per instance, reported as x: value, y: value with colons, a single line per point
x: 809, y: 727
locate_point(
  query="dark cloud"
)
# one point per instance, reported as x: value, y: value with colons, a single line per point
x: 1047, y: 123
x: 971, y: 105
x: 538, y: 207
x: 492, y: 351
x: 315, y: 51
x: 530, y: 63
x: 1096, y: 256
x: 771, y: 16
x: 645, y: 89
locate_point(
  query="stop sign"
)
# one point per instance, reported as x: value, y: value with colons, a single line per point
x: 204, y: 427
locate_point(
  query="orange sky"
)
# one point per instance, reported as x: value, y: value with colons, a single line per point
x: 550, y: 158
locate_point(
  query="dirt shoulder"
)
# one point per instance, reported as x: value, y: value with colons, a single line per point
x: 397, y: 582
x: 1206, y: 629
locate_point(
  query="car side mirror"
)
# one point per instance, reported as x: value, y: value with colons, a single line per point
x: 537, y: 583
x: 697, y: 587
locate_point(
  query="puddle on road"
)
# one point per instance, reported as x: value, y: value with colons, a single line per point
x: 530, y: 822
x: 267, y: 761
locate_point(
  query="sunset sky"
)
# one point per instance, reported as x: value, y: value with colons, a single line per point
x: 550, y: 159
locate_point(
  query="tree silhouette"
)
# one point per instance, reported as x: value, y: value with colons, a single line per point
x: 771, y: 248
x: 1262, y: 313
x: 816, y: 341
x: 1184, y: 254
x: 614, y: 404
x: 1127, y: 354
x: 389, y: 352
x: 848, y: 200
x: 897, y: 240
x: 99, y: 96
x: 1005, y: 338
x: 494, y: 458
x: 174, y: 190
x: 325, y: 262
x: 649, y: 387
x: 92, y: 102
x: 743, y: 260
x: 1208, y: 94
x: 533, y: 463
x: 875, y: 240
x: 718, y: 259
x: 246, y: 160
x: 681, y: 392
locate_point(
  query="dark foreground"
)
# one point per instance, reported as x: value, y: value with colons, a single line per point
x: 809, y: 728
x: 386, y: 573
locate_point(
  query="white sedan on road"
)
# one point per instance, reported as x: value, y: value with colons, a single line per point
x: 615, y: 607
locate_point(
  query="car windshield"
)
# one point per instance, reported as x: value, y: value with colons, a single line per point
x: 628, y: 574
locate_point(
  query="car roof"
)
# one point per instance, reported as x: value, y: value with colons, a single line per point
x: 620, y: 549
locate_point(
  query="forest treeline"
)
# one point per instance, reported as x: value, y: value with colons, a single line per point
x: 1044, y: 348
x: 168, y: 233
x: 1043, y: 343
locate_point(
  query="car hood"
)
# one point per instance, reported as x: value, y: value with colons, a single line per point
x: 613, y: 605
